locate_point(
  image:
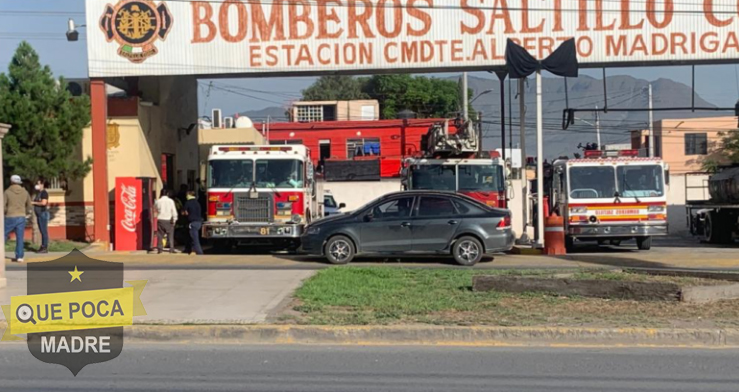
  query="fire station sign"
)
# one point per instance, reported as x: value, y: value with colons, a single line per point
x: 74, y: 310
x: 145, y: 37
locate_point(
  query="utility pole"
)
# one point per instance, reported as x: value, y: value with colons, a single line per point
x: 524, y: 181
x: 597, y: 127
x: 651, y: 124
x: 539, y: 165
x: 465, y: 108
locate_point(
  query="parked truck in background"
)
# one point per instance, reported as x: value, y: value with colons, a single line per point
x: 716, y: 220
x: 260, y: 195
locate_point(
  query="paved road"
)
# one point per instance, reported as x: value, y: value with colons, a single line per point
x: 345, y: 369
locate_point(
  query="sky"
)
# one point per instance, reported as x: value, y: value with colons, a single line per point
x: 44, y: 22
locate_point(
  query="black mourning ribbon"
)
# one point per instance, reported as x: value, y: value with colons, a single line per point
x: 562, y: 62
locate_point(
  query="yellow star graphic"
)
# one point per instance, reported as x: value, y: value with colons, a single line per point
x: 76, y: 274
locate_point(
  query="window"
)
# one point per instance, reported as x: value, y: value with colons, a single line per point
x: 291, y: 141
x: 480, y: 178
x: 640, y: 181
x: 328, y: 201
x: 310, y: 113
x: 55, y: 184
x: 393, y: 209
x: 591, y: 182
x: 230, y: 173
x: 434, y: 177
x: 279, y: 173
x: 466, y: 208
x: 362, y: 147
x: 696, y: 144
x: 435, y: 206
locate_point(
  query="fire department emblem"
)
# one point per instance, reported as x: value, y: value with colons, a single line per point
x: 136, y: 25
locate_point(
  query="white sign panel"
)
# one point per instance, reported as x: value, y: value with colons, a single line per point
x: 143, y: 37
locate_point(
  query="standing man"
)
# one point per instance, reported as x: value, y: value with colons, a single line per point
x: 166, y: 218
x: 17, y: 207
x: 40, y: 207
x: 195, y: 222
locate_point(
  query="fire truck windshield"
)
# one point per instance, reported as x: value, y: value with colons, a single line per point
x: 279, y: 173
x: 640, y: 181
x: 486, y: 178
x: 434, y: 177
x: 592, y: 182
x: 230, y: 173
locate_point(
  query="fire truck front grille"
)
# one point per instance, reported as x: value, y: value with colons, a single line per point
x: 260, y: 209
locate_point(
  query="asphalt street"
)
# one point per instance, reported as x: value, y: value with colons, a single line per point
x: 186, y: 367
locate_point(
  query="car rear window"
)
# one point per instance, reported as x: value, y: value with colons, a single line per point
x: 435, y: 206
x: 465, y: 208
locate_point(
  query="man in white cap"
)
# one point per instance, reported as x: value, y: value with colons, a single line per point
x: 17, y: 207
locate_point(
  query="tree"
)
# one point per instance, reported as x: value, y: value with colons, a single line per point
x: 46, y: 121
x: 427, y: 97
x: 723, y: 153
x: 334, y: 88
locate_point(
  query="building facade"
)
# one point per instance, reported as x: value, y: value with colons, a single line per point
x: 384, y: 141
x: 685, y: 144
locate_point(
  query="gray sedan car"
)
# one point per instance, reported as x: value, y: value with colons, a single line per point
x: 412, y: 223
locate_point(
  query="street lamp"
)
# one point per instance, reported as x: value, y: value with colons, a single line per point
x: 481, y: 94
x: 72, y: 33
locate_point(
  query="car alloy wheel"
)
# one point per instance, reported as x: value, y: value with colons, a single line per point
x: 467, y: 251
x: 339, y: 250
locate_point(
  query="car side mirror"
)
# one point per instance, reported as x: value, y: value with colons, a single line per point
x: 342, y: 205
x: 368, y: 218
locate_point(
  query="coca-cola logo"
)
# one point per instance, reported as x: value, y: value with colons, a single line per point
x: 128, y: 199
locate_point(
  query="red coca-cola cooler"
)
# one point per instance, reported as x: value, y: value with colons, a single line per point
x: 134, y: 213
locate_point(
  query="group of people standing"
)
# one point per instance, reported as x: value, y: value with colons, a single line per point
x: 17, y: 206
x: 191, y: 212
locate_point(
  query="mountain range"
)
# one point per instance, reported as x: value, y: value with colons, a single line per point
x: 583, y: 94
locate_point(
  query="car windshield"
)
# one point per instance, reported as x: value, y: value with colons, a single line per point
x: 279, y: 173
x: 486, y: 178
x: 329, y: 201
x: 433, y: 177
x: 230, y: 173
x: 640, y: 181
x: 596, y: 182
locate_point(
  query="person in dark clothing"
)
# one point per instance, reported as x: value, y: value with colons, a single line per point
x: 195, y: 221
x: 41, y: 209
x: 201, y: 195
x: 182, y: 194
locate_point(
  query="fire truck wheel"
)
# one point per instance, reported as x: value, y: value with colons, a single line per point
x: 644, y: 243
x: 467, y: 251
x: 339, y: 250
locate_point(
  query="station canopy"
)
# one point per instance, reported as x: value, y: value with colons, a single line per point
x: 277, y: 37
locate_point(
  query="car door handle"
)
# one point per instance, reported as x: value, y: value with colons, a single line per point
x: 452, y: 222
x: 405, y: 224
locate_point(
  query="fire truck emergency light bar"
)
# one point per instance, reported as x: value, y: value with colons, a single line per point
x: 611, y: 153
x: 247, y: 148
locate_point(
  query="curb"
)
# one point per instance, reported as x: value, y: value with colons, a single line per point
x: 436, y: 336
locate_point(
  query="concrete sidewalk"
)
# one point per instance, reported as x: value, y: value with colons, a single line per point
x: 200, y: 296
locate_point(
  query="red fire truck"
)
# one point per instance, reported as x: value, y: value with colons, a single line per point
x: 452, y: 162
x: 260, y: 195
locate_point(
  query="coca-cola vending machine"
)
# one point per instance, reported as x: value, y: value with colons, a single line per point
x: 134, y: 213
